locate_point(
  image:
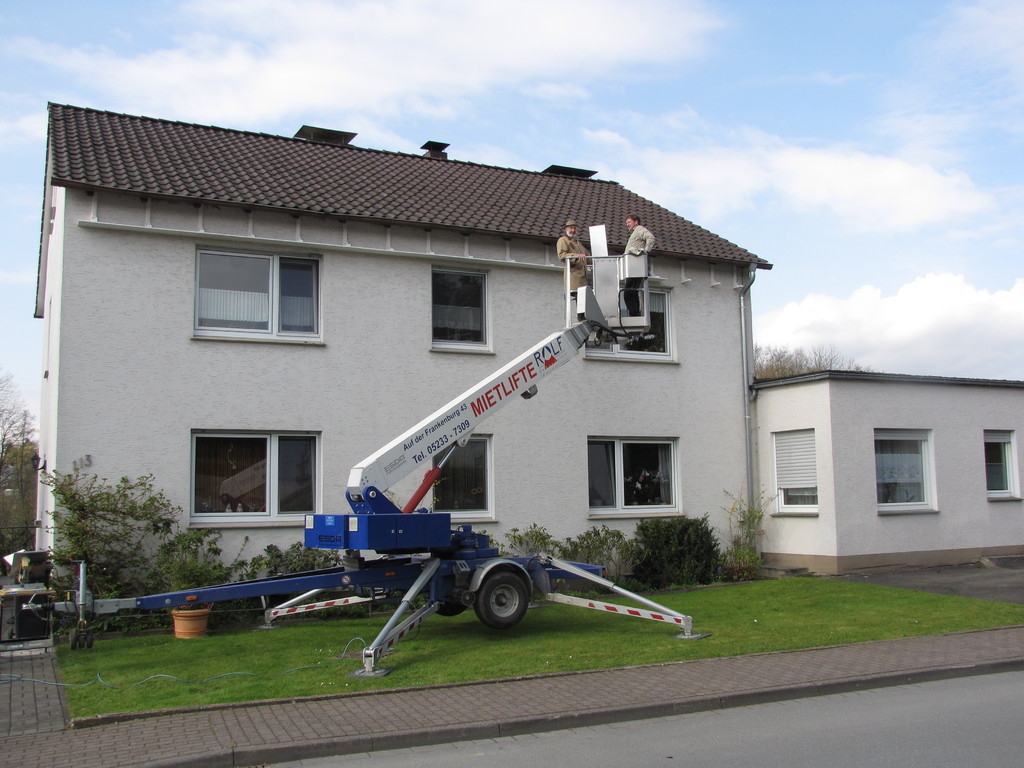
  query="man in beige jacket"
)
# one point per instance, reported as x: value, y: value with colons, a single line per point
x: 569, y: 248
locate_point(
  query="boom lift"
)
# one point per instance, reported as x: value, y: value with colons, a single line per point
x: 419, y: 552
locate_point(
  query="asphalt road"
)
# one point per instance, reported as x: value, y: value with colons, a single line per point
x: 999, y: 579
x: 973, y: 721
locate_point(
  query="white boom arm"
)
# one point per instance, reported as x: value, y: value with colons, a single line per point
x: 457, y: 420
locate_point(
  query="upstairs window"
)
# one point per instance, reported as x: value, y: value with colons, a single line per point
x: 1000, y: 464
x: 459, y: 308
x: 653, y: 344
x: 796, y: 470
x: 246, y: 295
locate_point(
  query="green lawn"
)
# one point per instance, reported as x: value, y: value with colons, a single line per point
x: 302, y: 659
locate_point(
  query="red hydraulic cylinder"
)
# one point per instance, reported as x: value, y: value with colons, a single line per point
x: 428, y: 481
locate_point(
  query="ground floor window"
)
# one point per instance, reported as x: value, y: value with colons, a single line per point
x: 903, y: 469
x: 253, y: 474
x: 1000, y: 463
x: 796, y: 469
x: 630, y: 474
x: 462, y: 488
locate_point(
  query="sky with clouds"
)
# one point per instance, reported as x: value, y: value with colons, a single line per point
x: 871, y: 151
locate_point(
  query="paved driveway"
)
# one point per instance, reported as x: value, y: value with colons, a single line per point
x: 998, y: 578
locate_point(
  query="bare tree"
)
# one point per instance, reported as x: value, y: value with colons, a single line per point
x: 777, y: 362
x: 17, y: 477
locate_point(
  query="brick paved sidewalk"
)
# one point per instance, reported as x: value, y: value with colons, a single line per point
x: 27, y: 706
x: 259, y: 734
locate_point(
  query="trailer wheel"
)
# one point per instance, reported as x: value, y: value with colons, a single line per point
x: 451, y: 609
x: 502, y: 600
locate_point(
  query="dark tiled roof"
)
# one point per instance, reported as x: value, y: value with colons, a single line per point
x: 161, y: 158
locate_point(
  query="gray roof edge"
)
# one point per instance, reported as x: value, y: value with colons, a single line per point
x: 889, y: 378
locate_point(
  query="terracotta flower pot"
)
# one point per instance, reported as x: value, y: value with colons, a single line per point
x: 190, y: 623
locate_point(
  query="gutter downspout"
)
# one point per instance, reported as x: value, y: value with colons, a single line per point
x: 747, y: 342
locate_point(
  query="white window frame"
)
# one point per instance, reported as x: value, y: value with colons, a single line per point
x: 1007, y: 439
x: 619, y: 507
x: 273, y: 331
x: 927, y: 468
x: 617, y: 351
x: 796, y: 467
x: 272, y: 513
x: 483, y: 513
x: 483, y: 345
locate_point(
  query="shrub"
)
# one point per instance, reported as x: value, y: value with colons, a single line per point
x: 676, y: 551
x: 296, y: 559
x: 112, y: 528
x: 742, y: 560
x: 532, y: 540
x: 741, y: 565
x: 600, y: 546
x: 191, y: 558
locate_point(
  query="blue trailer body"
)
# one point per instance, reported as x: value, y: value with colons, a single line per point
x: 397, y: 575
x: 390, y: 533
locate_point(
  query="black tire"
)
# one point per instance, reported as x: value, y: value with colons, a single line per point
x: 502, y: 600
x: 90, y: 636
x: 73, y: 639
x: 451, y: 609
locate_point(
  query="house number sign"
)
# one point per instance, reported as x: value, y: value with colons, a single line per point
x: 83, y: 462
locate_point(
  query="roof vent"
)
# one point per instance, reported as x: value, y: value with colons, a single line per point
x: 325, y: 135
x: 564, y: 170
x: 436, y: 150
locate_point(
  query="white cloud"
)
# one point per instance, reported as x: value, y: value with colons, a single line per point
x: 873, y: 192
x: 938, y: 324
x: 865, y: 192
x: 262, y: 59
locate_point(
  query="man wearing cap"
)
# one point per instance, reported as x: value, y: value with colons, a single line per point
x: 570, y: 249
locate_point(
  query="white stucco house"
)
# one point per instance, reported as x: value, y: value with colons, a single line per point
x: 246, y: 316
x: 870, y: 469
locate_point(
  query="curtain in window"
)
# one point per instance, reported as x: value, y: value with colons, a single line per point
x: 234, y: 291
x: 458, y: 307
x: 462, y: 485
x: 298, y: 296
x: 601, y: 472
x: 295, y: 474
x: 231, y: 475
x: 899, y: 471
x: 234, y: 309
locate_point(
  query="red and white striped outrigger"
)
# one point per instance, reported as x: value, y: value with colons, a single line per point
x: 660, y: 612
x: 291, y: 608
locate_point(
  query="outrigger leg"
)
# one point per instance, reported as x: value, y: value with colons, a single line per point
x: 391, y: 633
x: 660, y: 612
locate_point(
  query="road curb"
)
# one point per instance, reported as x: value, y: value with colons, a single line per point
x: 349, y: 745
